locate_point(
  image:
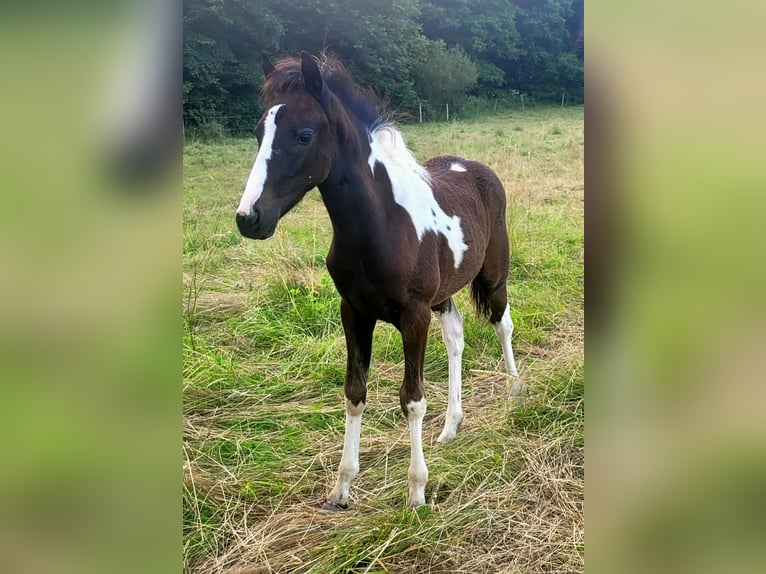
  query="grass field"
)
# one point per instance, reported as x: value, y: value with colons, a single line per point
x: 264, y: 360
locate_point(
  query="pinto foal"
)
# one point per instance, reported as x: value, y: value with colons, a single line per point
x: 406, y: 237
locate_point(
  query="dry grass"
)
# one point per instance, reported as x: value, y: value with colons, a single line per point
x: 263, y: 418
x: 512, y: 504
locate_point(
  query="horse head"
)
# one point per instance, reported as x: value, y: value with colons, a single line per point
x: 296, y: 149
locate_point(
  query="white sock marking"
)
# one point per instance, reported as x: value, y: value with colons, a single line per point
x: 504, y: 330
x: 257, y: 178
x: 452, y: 333
x: 418, y: 473
x: 457, y: 167
x: 349, y: 461
x: 411, y: 186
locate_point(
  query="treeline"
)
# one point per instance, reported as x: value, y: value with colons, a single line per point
x: 414, y: 52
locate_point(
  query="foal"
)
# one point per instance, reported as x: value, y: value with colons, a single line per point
x: 406, y: 237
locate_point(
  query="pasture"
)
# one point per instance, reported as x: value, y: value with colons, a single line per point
x: 264, y: 359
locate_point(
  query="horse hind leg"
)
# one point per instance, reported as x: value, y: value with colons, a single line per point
x: 493, y: 302
x: 452, y: 332
x: 489, y: 289
x: 504, y: 331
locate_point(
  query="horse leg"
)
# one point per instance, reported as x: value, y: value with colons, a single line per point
x: 504, y: 331
x: 500, y: 317
x: 452, y: 332
x: 414, y: 328
x: 358, y: 330
x: 493, y: 292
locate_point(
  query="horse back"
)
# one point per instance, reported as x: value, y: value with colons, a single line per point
x: 468, y: 189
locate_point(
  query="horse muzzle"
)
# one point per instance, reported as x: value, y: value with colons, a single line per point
x: 253, y: 226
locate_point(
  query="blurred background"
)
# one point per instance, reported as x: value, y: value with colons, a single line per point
x: 90, y: 257
x: 90, y: 303
x: 675, y: 190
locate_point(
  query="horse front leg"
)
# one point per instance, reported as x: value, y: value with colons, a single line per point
x: 414, y: 329
x: 358, y: 330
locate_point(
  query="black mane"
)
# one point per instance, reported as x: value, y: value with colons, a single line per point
x: 360, y: 103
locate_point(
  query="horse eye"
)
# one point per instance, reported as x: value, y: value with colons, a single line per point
x: 305, y: 137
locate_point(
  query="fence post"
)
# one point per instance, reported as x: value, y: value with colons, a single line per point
x: 421, y: 112
x: 522, y: 100
x: 447, y: 113
x: 562, y: 98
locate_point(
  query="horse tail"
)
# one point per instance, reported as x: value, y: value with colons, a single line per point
x: 480, y: 299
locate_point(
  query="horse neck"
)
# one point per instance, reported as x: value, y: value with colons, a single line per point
x: 355, y: 208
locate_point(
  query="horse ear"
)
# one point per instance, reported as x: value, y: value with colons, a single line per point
x: 266, y: 65
x: 312, y: 79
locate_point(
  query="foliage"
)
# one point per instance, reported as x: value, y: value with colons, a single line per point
x: 491, y: 79
x: 221, y: 76
x: 546, y: 64
x: 446, y: 75
x: 485, y: 28
x: 535, y: 44
x: 378, y: 41
x: 403, y: 49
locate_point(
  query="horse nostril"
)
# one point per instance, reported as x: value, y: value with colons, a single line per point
x: 247, y: 221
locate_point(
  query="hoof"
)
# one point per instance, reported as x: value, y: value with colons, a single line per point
x: 334, y: 506
x: 451, y: 426
x: 516, y: 387
x: 446, y: 437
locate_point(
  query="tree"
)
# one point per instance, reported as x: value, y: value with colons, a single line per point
x: 223, y: 40
x: 446, y: 76
x: 534, y: 45
x: 379, y: 42
x: 406, y: 50
x: 546, y: 65
x: 486, y: 29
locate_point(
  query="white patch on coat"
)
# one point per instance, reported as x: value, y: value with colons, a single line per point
x: 411, y: 186
x: 257, y: 179
x: 457, y: 167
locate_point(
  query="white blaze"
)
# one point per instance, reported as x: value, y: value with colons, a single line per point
x: 411, y: 186
x: 457, y: 167
x: 257, y: 178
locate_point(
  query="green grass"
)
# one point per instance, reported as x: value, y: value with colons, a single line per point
x: 264, y: 360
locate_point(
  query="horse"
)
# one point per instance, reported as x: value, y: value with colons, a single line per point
x: 406, y: 237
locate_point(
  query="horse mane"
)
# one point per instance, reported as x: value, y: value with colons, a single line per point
x: 360, y: 103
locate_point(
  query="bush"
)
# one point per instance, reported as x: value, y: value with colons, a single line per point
x: 446, y: 75
x: 207, y: 129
